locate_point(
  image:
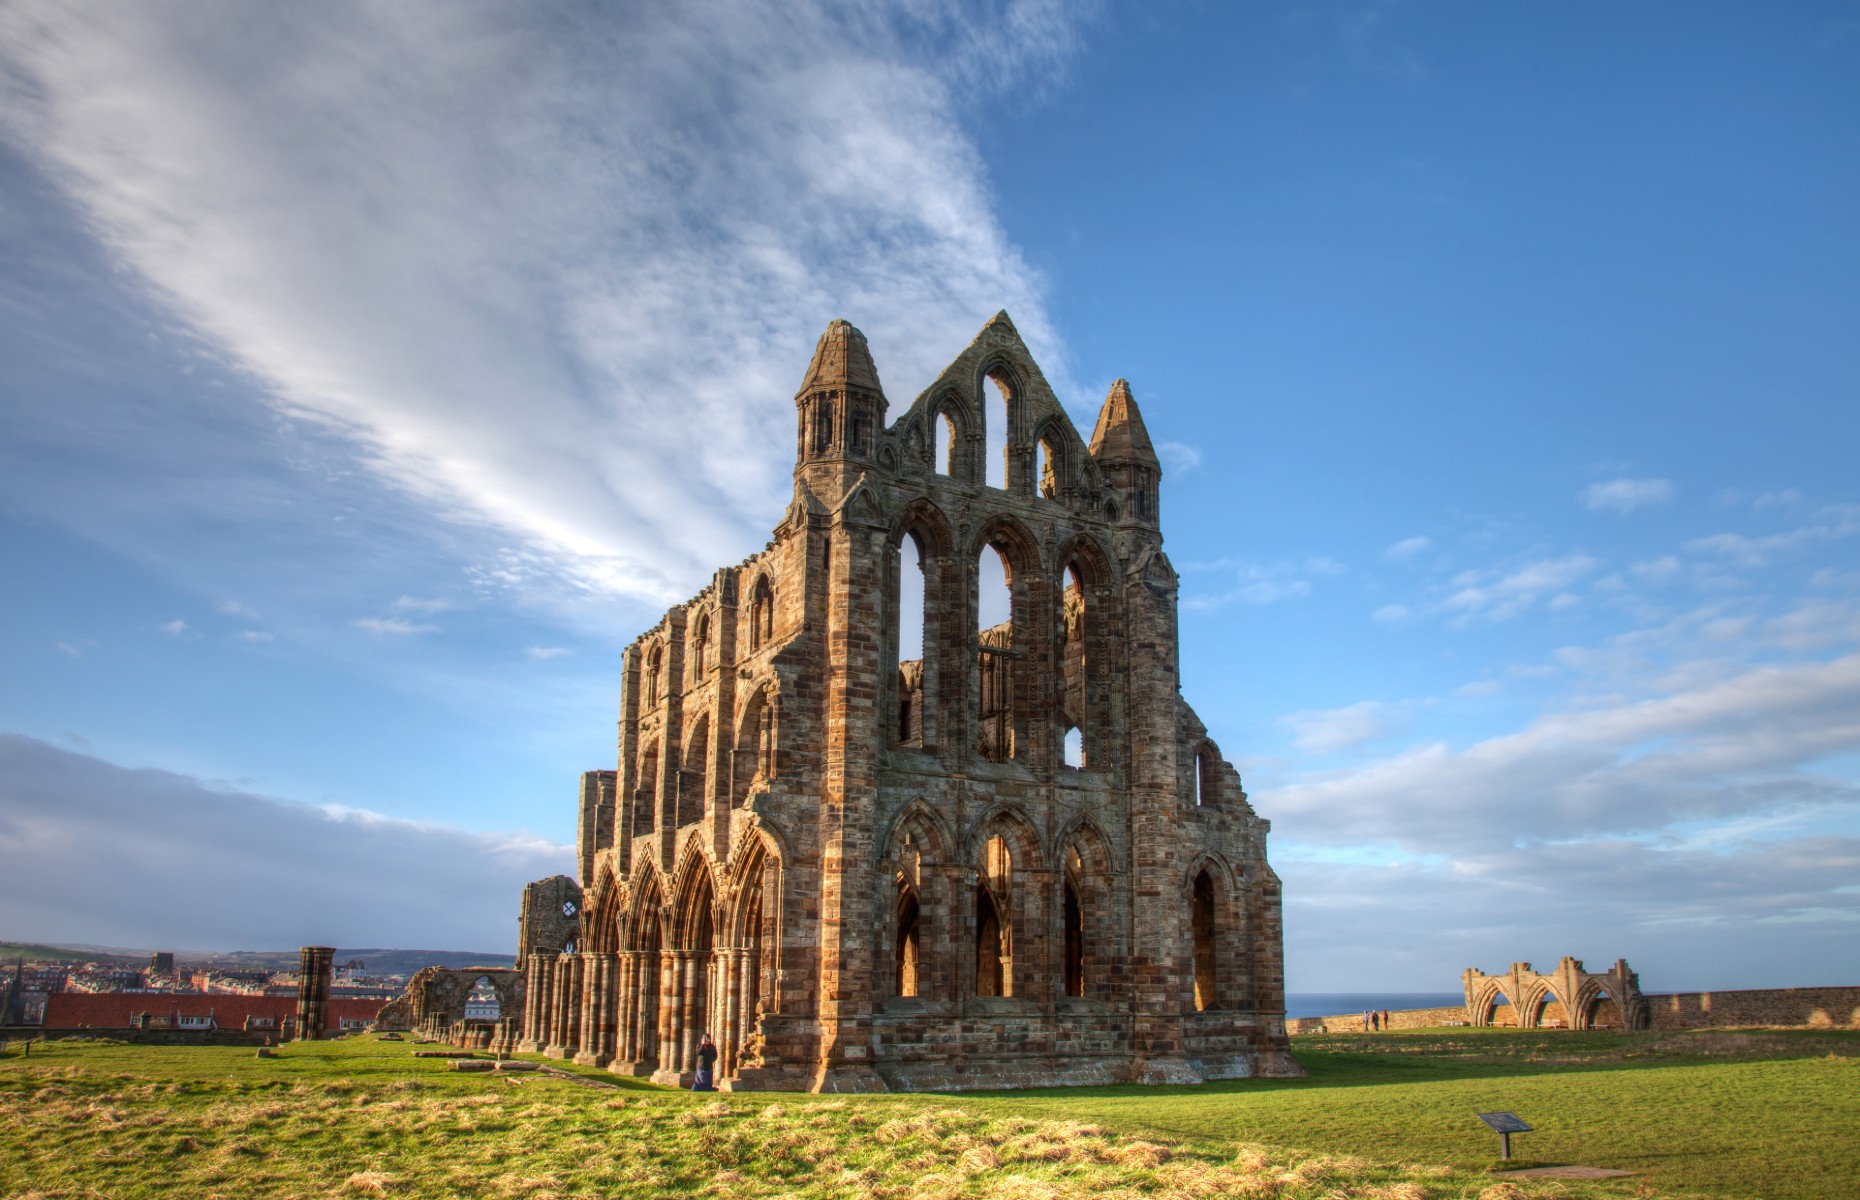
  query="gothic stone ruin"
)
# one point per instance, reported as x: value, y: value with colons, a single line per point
x: 1566, y: 998
x: 434, y: 1006
x: 871, y: 833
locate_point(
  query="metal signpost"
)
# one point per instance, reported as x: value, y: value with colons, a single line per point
x: 1505, y: 1124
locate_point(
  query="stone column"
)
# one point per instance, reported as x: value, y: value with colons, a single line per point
x: 314, y: 965
x: 668, y: 1005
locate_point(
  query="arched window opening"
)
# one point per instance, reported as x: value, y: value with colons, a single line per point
x: 1049, y: 469
x: 700, y: 649
x: 995, y: 645
x: 945, y: 439
x: 655, y: 667
x: 1075, y: 939
x: 762, y: 615
x: 997, y: 411
x: 481, y: 1002
x: 1072, y: 693
x: 909, y: 951
x: 994, y: 968
x: 691, y: 779
x: 823, y: 424
x: 910, y: 616
x: 645, y: 797
x: 1207, y: 776
x: 1203, y: 921
x: 755, y: 747
x: 859, y: 437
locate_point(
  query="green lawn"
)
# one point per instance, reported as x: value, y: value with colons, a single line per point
x: 1390, y: 1118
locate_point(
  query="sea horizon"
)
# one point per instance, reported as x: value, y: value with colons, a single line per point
x: 1331, y: 1004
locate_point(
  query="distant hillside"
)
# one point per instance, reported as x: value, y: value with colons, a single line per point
x: 379, y: 961
x: 29, y: 951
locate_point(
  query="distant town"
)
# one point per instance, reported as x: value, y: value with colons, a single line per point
x: 63, y: 988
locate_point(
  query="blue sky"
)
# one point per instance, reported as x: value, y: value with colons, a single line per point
x: 373, y: 375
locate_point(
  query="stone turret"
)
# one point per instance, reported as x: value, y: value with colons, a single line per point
x: 841, y: 410
x: 1121, y: 445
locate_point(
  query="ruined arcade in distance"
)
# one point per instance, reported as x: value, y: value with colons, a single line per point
x: 1010, y: 858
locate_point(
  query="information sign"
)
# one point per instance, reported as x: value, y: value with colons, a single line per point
x: 1505, y: 1124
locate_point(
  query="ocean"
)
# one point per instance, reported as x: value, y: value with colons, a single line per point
x: 1331, y: 1004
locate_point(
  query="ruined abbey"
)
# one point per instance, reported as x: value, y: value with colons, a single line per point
x: 910, y: 799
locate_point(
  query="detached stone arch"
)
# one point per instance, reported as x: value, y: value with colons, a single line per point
x: 1570, y: 986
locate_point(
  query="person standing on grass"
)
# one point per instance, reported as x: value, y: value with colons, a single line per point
x: 706, y: 1063
x: 1365, y: 1020
x: 1385, y: 1020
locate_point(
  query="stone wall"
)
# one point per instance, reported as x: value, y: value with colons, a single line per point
x: 1821, y: 1008
x: 1813, y: 1008
x: 1407, y: 1018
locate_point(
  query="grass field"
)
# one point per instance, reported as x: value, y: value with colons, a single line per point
x: 1768, y: 1115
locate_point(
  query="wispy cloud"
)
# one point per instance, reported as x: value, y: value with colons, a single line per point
x: 413, y: 604
x: 1325, y: 731
x: 1178, y: 457
x: 1499, y: 596
x: 1407, y: 549
x: 174, y: 628
x: 1834, y: 522
x: 543, y: 653
x: 574, y: 322
x: 1626, y: 495
x: 1264, y: 583
x: 393, y: 626
x: 232, y: 608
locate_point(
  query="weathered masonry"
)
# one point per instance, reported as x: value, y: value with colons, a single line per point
x: 910, y: 799
x: 1569, y: 997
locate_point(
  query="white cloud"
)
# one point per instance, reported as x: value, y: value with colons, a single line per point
x: 1836, y: 521
x: 174, y: 628
x: 232, y: 608
x: 572, y: 317
x: 254, y: 635
x: 1495, y: 596
x: 407, y: 604
x: 1406, y: 549
x: 73, y: 649
x: 1325, y: 731
x: 167, y: 860
x: 1265, y: 583
x: 1731, y: 745
x: 1178, y: 458
x: 1625, y: 495
x: 547, y: 652
x: 393, y: 626
x: 1391, y: 614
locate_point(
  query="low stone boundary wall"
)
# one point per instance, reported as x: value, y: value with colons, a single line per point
x: 1816, y: 1008
x: 144, y: 1037
x: 1407, y: 1018
x: 1810, y: 1008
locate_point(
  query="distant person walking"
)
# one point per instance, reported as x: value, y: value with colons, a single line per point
x: 1385, y: 1020
x: 1365, y: 1020
x: 704, y: 1079
x: 1375, y: 1020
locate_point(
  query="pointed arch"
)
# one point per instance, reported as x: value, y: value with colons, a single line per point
x: 1088, y: 907
x: 950, y: 418
x: 762, y: 613
x: 646, y: 795
x: 916, y: 567
x: 695, y: 771
x: 753, y: 758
